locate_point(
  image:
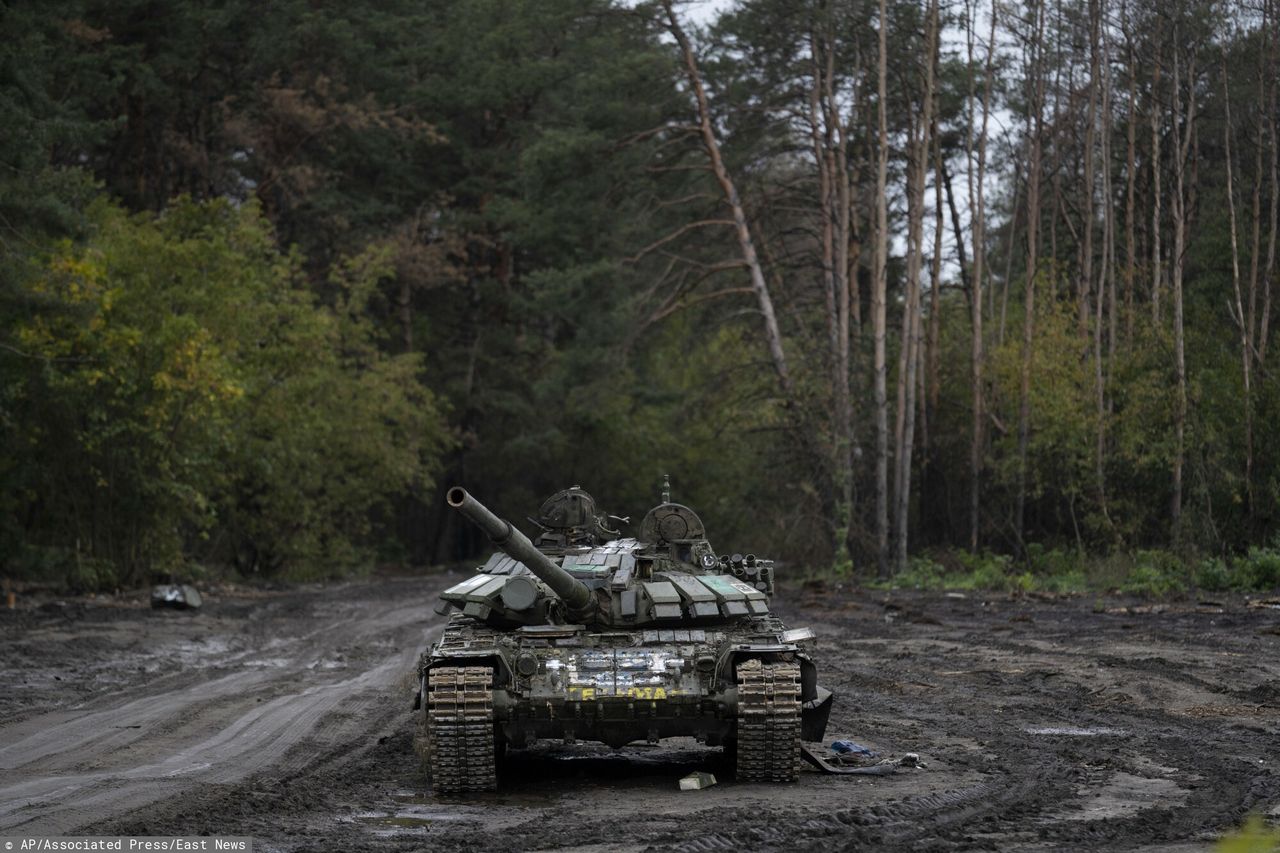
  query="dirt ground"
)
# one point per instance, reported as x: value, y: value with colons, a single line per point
x: 285, y: 715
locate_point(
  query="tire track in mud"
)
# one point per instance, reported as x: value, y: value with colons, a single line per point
x: 1215, y: 770
x: 936, y: 817
x: 1045, y: 726
x: 69, y: 769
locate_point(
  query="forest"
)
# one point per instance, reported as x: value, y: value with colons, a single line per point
x: 887, y: 287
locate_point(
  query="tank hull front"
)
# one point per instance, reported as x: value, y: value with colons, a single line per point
x: 567, y: 684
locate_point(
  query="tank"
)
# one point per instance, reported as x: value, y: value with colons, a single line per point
x: 582, y: 634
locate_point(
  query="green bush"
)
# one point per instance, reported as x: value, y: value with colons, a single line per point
x: 985, y: 571
x: 1069, y: 581
x: 922, y: 573
x: 1260, y: 569
x: 1213, y: 575
x: 1155, y: 573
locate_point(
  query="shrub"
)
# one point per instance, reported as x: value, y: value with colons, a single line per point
x: 1213, y: 575
x: 1260, y: 569
x: 1155, y: 573
x: 922, y: 573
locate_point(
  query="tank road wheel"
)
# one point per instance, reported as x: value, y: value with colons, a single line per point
x: 768, y: 743
x: 461, y: 743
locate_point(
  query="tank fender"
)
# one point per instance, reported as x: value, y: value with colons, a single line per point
x: 808, y: 680
x: 814, y: 715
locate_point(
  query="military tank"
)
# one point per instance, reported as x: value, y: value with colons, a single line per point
x: 586, y: 635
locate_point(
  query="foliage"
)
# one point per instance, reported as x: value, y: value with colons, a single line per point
x: 179, y: 391
x: 963, y: 571
x: 345, y: 234
x: 1260, y: 569
x: 1155, y: 573
x: 1213, y: 575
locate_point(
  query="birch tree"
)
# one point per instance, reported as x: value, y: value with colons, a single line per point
x: 879, y: 286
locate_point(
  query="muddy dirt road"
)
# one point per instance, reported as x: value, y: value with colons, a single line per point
x: 1045, y: 725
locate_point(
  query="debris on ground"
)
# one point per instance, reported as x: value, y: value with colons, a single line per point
x: 911, y: 759
x: 176, y: 596
x: 697, y: 781
x: 848, y: 747
x: 843, y: 764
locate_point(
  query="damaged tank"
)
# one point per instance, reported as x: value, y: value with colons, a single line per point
x: 586, y: 635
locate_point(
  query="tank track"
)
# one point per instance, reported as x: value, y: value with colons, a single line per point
x: 461, y: 747
x: 768, y: 722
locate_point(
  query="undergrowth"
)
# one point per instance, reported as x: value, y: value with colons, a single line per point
x: 1150, y: 573
x: 1254, y: 837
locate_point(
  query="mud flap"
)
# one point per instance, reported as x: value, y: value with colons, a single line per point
x: 814, y: 715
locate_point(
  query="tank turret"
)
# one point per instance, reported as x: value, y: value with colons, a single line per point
x: 573, y: 592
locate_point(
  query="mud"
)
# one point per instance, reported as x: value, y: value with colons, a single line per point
x: 1044, y: 724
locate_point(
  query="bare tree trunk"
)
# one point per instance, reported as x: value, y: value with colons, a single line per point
x: 933, y: 340
x: 1107, y: 280
x: 824, y: 161
x: 1034, y: 130
x: 1270, y: 23
x: 910, y: 356
x: 1008, y: 256
x: 931, y: 374
x: 977, y: 204
x: 1243, y: 318
x: 1255, y: 252
x: 1057, y: 206
x: 1131, y: 180
x: 1155, y: 186
x: 1179, y: 212
x: 746, y: 245
x: 845, y: 279
x: 934, y: 360
x: 962, y: 254
x: 879, y: 286
x: 1088, y: 188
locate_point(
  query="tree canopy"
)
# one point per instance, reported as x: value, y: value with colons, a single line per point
x: 865, y: 278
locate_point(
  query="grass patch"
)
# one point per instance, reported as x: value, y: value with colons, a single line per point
x: 1254, y: 837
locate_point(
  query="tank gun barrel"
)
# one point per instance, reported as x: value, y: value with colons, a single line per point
x: 515, y: 544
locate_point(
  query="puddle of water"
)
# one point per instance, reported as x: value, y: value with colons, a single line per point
x: 1077, y: 731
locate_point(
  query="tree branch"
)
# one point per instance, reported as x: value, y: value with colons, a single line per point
x: 675, y: 235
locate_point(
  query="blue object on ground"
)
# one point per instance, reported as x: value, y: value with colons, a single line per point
x: 848, y: 747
